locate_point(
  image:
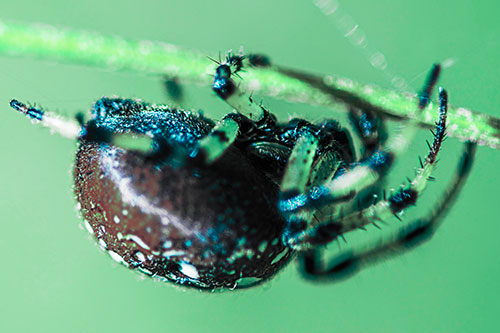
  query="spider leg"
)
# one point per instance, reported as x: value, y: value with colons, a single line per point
x: 64, y: 127
x: 299, y: 203
x: 405, y: 238
x: 173, y: 88
x: 227, y: 129
x: 360, y: 175
x: 228, y: 90
x: 300, y: 164
x: 258, y: 60
x: 216, y: 142
x: 211, y: 146
x: 324, y: 168
x: 424, y: 96
x: 74, y: 129
x: 295, y: 180
x: 370, y: 129
x: 324, y: 233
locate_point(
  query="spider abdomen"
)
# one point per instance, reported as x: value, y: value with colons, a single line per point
x: 213, y: 227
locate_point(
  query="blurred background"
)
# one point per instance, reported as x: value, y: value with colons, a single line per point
x: 54, y: 278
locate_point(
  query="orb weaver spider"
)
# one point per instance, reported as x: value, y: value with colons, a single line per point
x: 227, y: 204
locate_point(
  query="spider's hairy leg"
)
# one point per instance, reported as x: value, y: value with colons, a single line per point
x: 363, y: 174
x: 173, y: 89
x: 324, y: 168
x: 372, y: 132
x: 422, y: 229
x: 424, y: 96
x: 394, y: 205
x: 222, y: 136
x: 409, y: 235
x: 227, y: 129
x: 358, y: 177
x: 370, y: 128
x: 64, y: 127
x: 300, y: 164
x: 75, y: 129
x: 309, y: 164
x: 225, y: 87
x: 295, y: 181
x: 258, y: 60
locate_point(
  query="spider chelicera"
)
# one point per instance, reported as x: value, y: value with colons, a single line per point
x: 227, y: 205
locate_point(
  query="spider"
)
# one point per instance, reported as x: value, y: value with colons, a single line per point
x: 228, y: 204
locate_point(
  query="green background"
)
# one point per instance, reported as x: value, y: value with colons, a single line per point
x: 53, y: 277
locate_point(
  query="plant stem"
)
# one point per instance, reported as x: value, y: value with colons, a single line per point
x: 92, y: 49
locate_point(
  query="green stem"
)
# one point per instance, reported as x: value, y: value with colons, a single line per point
x: 84, y: 48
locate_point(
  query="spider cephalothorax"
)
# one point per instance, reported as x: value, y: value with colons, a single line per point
x: 227, y: 204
